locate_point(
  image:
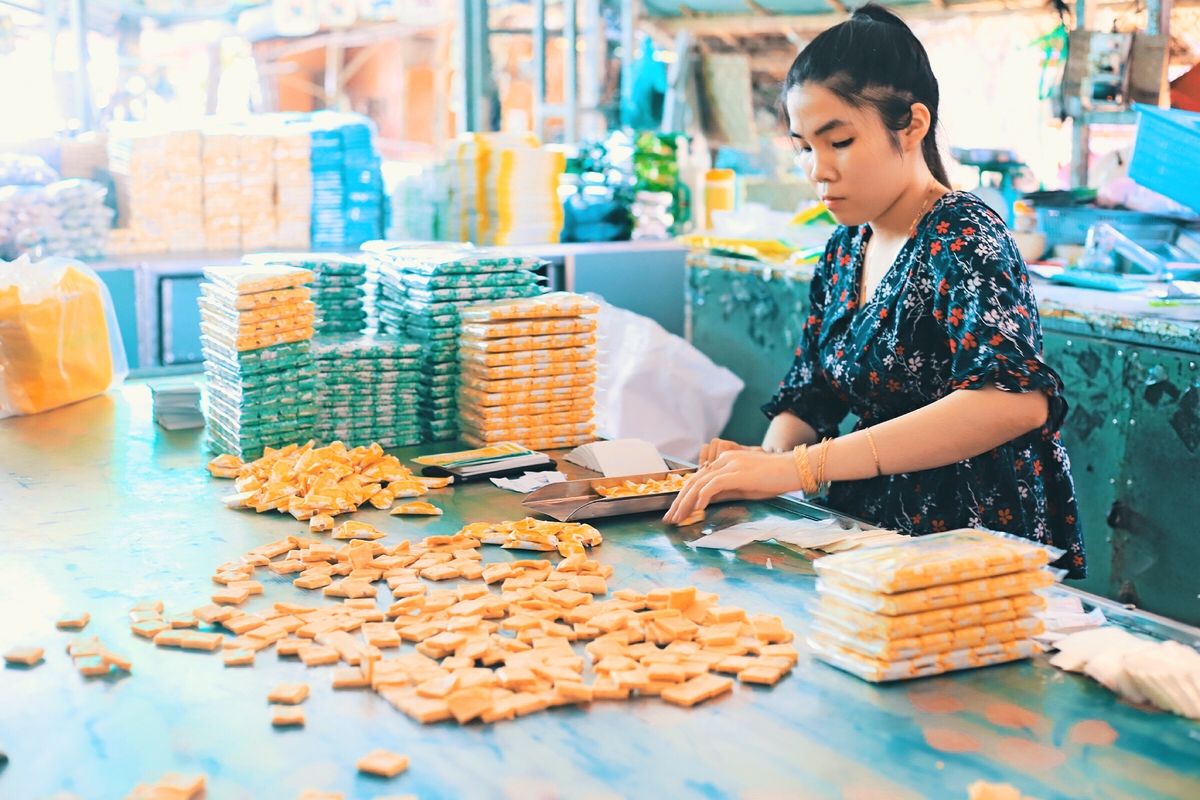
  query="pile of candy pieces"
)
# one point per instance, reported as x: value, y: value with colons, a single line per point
x: 318, y: 483
x: 671, y: 483
x: 485, y: 655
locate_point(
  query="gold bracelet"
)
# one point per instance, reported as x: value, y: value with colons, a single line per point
x: 874, y: 452
x: 822, y: 485
x: 808, y: 484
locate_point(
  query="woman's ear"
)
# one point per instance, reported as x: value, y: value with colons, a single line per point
x: 914, y: 134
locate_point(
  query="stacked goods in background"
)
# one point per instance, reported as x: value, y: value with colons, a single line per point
x: 363, y: 181
x: 934, y: 604
x: 417, y: 195
x: 503, y: 190
x: 347, y: 182
x: 260, y: 378
x: 522, y: 195
x: 421, y: 290
x: 463, y: 187
x: 337, y: 288
x: 85, y: 156
x: 256, y: 162
x: 528, y: 371
x: 159, y: 177
x: 41, y: 215
x: 325, y: 155
x: 367, y: 391
x: 222, y: 189
x: 293, y: 190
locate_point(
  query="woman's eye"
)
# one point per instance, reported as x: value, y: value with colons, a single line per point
x: 843, y: 143
x: 803, y: 148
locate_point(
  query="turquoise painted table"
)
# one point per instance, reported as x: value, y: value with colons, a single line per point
x: 102, y: 510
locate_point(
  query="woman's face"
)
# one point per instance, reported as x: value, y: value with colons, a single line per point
x: 847, y: 153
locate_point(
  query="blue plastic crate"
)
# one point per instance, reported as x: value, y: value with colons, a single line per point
x: 1164, y: 154
x: 1069, y: 225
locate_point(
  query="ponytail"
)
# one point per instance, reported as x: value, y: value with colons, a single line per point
x: 874, y: 59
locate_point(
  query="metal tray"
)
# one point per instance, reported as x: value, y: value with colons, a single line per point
x: 572, y: 501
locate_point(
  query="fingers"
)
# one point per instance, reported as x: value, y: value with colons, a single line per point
x: 696, y: 495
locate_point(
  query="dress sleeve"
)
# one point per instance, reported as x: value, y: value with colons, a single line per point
x: 986, y: 303
x: 805, y: 391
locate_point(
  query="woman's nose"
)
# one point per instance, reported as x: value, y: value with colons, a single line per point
x: 821, y: 169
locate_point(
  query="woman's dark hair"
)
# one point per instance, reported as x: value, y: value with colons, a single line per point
x: 874, y: 59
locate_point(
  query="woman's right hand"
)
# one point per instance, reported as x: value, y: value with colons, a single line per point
x: 710, y: 451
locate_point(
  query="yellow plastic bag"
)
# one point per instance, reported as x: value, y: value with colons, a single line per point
x: 59, y: 341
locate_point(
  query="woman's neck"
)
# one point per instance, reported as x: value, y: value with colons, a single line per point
x: 896, y: 223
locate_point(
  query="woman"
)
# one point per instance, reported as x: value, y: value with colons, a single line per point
x: 923, y: 325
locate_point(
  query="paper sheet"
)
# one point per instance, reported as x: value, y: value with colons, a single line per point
x: 530, y: 481
x: 619, y: 457
x: 812, y: 534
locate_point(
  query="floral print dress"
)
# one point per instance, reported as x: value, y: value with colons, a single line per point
x: 955, y: 311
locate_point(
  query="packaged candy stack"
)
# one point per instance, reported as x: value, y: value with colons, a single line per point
x: 417, y: 197
x: 421, y: 290
x: 528, y: 371
x: 293, y: 190
x: 522, y: 195
x: 256, y: 329
x: 159, y: 179
x: 222, y: 189
x: 463, y: 196
x: 934, y: 604
x: 337, y: 288
x: 363, y: 183
x: 256, y: 157
x: 328, y: 221
x: 367, y: 391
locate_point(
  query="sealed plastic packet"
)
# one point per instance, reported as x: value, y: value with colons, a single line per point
x: 59, y: 340
x: 933, y: 604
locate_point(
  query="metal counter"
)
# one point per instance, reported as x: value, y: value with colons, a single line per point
x: 102, y: 510
x: 1132, y: 374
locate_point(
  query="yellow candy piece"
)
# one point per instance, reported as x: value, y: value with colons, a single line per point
x: 425, y: 509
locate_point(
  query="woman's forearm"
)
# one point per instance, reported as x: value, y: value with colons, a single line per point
x: 786, y: 432
x: 961, y: 425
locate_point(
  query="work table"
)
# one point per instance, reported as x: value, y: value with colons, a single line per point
x: 102, y: 509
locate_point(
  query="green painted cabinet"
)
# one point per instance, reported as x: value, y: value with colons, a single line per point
x: 747, y: 317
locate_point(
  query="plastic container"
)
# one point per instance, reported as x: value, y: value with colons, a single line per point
x: 1164, y: 154
x: 1070, y: 225
x: 720, y: 193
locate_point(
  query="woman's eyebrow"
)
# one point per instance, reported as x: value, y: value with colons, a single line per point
x: 826, y: 128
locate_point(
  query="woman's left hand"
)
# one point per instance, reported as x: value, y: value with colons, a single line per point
x: 736, y: 475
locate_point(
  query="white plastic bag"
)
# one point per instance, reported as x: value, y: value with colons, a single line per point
x: 59, y: 340
x: 654, y: 385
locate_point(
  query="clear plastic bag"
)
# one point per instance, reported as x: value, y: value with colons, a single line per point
x: 935, y: 560
x: 944, y: 596
x: 59, y: 340
x: 875, y: 671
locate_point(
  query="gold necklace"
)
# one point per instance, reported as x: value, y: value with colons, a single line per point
x: 862, y: 245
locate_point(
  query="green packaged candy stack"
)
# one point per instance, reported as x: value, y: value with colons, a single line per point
x: 338, y: 288
x: 420, y: 290
x: 260, y: 376
x: 367, y: 390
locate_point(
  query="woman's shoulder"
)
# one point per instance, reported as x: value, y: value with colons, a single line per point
x: 962, y: 230
x: 957, y: 210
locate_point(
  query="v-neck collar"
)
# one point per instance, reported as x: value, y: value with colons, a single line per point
x: 859, y: 253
